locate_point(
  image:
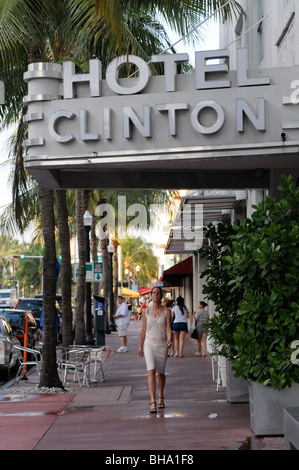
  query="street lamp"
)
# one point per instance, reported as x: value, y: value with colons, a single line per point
x: 110, y: 249
x: 87, y: 220
x: 138, y: 271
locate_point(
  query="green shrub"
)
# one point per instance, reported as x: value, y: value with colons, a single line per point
x: 261, y: 270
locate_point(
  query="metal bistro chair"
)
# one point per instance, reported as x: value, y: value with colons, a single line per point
x: 97, y: 352
x: 220, y: 367
x: 35, y: 360
x: 77, y: 361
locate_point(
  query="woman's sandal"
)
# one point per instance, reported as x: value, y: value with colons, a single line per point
x: 153, y: 409
x: 161, y: 405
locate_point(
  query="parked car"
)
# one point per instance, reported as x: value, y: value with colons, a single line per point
x: 9, y: 356
x: 59, y: 313
x: 58, y: 298
x: 35, y: 306
x: 16, y: 319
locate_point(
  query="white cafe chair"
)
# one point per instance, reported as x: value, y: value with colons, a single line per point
x: 217, y: 360
x: 78, y: 362
x: 34, y: 358
x: 96, y: 355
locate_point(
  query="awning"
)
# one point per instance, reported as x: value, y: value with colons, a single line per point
x: 174, y: 275
x: 144, y: 290
x: 194, y: 212
x: 125, y: 292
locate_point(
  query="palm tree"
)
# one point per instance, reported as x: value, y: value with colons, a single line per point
x: 136, y: 251
x: 148, y: 200
x: 66, y: 268
x: 49, y: 375
x: 8, y: 248
x: 27, y: 27
x: 121, y: 26
x: 29, y: 270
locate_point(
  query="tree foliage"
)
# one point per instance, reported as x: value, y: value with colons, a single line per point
x: 261, y: 269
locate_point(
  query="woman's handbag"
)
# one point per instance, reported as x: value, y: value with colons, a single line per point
x: 194, y: 334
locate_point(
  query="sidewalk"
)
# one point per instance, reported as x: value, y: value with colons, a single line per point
x: 114, y: 415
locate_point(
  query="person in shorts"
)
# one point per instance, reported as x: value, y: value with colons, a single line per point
x: 179, y: 326
x: 122, y: 320
x: 201, y: 318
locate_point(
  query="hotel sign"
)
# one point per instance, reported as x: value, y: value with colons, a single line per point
x: 82, y: 122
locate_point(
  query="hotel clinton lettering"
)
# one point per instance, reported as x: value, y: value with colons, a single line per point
x: 75, y: 119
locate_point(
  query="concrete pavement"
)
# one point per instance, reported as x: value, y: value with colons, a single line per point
x: 114, y: 414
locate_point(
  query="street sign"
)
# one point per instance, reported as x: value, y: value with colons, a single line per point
x: 94, y: 272
x: 97, y: 272
x: 89, y: 272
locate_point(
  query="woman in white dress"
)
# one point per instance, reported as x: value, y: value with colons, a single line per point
x: 155, y: 340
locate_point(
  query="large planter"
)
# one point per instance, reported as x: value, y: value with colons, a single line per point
x: 266, y: 407
x: 236, y: 387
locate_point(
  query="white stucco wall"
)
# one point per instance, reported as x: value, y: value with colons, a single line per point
x: 273, y: 44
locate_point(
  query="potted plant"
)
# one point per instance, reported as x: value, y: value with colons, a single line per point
x: 222, y: 326
x: 263, y: 261
x: 262, y: 268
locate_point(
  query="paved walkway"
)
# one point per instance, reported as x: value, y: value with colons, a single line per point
x: 114, y: 415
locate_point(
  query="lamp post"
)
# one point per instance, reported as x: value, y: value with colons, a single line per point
x: 110, y: 249
x: 138, y: 271
x: 87, y: 224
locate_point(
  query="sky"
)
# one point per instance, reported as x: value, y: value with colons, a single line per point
x: 210, y: 40
x: 210, y: 33
x: 5, y: 193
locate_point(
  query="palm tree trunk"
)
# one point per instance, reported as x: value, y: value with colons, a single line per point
x: 80, y: 336
x: 66, y: 268
x: 49, y: 375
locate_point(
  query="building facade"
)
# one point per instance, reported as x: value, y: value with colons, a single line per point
x: 269, y: 32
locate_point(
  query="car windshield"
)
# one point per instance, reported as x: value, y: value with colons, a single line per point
x: 4, y: 295
x: 15, y: 319
x: 30, y: 304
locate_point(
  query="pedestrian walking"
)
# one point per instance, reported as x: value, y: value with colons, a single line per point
x: 122, y: 320
x: 179, y: 326
x: 201, y: 318
x: 139, y: 311
x: 169, y: 304
x: 155, y: 340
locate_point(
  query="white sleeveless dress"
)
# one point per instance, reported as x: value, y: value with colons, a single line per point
x: 154, y: 348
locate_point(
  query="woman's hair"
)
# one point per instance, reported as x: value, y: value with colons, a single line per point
x: 180, y: 303
x: 203, y: 303
x: 157, y: 287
